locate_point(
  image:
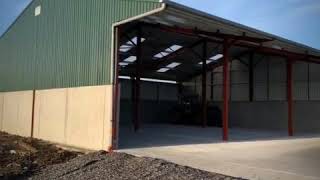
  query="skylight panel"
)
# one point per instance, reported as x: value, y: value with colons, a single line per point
x: 216, y: 57
x: 173, y: 65
x: 123, y: 64
x: 150, y: 80
x: 208, y: 62
x: 212, y: 59
x: 135, y: 40
x: 163, y: 70
x: 131, y: 59
x: 130, y: 44
x: 167, y: 51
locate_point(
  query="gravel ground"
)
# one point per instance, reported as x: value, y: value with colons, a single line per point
x: 121, y: 166
x: 28, y: 159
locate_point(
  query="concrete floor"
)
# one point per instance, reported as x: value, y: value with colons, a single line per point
x: 261, y: 155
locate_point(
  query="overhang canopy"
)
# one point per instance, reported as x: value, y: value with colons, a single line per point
x: 173, y: 43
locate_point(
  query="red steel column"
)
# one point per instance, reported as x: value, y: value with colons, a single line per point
x: 116, y: 93
x: 290, y: 97
x: 204, y: 85
x: 226, y: 89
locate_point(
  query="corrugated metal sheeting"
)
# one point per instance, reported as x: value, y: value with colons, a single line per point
x: 67, y: 45
x: 270, y: 81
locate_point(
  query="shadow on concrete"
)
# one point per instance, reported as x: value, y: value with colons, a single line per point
x: 158, y: 135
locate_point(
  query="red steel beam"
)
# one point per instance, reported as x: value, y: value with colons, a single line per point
x: 240, y: 41
x: 204, y: 85
x: 226, y: 90
x: 290, y: 97
x: 201, y: 33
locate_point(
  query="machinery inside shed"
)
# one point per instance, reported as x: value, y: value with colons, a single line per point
x: 186, y: 78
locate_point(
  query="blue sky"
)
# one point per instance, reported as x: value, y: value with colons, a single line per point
x: 297, y: 20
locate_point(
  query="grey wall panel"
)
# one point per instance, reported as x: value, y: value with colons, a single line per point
x: 278, y: 72
x: 306, y: 116
x: 260, y: 92
x: 300, y: 72
x: 260, y: 72
x: 315, y: 72
x: 149, y: 91
x: 151, y: 111
x: 239, y: 77
x: 315, y: 91
x: 273, y: 115
x: 217, y: 93
x: 125, y: 89
x: 259, y: 115
x: 168, y: 92
x: 218, y: 78
x: 300, y: 91
x: 278, y: 91
x: 240, y: 92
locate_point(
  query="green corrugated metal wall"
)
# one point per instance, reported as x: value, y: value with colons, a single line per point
x: 68, y: 45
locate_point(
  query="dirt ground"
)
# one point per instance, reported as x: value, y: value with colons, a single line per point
x: 25, y: 158
x: 22, y: 157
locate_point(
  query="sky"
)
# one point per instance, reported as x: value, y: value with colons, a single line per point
x: 297, y: 20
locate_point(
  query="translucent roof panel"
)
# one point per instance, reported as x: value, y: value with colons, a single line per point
x: 130, y: 44
x: 167, y: 51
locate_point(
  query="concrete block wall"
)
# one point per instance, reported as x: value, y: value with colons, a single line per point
x: 78, y: 117
x: 16, y: 112
x: 1, y: 110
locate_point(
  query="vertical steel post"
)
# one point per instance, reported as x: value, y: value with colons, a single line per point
x: 204, y: 85
x: 116, y: 93
x: 226, y: 89
x: 133, y: 99
x: 137, y: 104
x: 290, y: 97
x: 251, y: 77
x: 180, y: 91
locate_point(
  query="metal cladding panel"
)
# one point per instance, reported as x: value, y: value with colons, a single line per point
x: 67, y: 45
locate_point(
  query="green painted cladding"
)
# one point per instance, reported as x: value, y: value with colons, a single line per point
x: 68, y: 45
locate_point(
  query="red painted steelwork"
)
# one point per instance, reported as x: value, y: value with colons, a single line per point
x: 241, y: 41
x: 226, y: 89
x: 290, y: 97
x: 116, y: 94
x: 201, y: 33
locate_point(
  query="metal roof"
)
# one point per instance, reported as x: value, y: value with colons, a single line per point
x: 192, y: 13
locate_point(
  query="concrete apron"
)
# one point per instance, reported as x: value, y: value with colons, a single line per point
x: 284, y: 159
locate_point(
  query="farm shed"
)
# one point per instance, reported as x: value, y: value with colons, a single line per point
x: 79, y: 72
